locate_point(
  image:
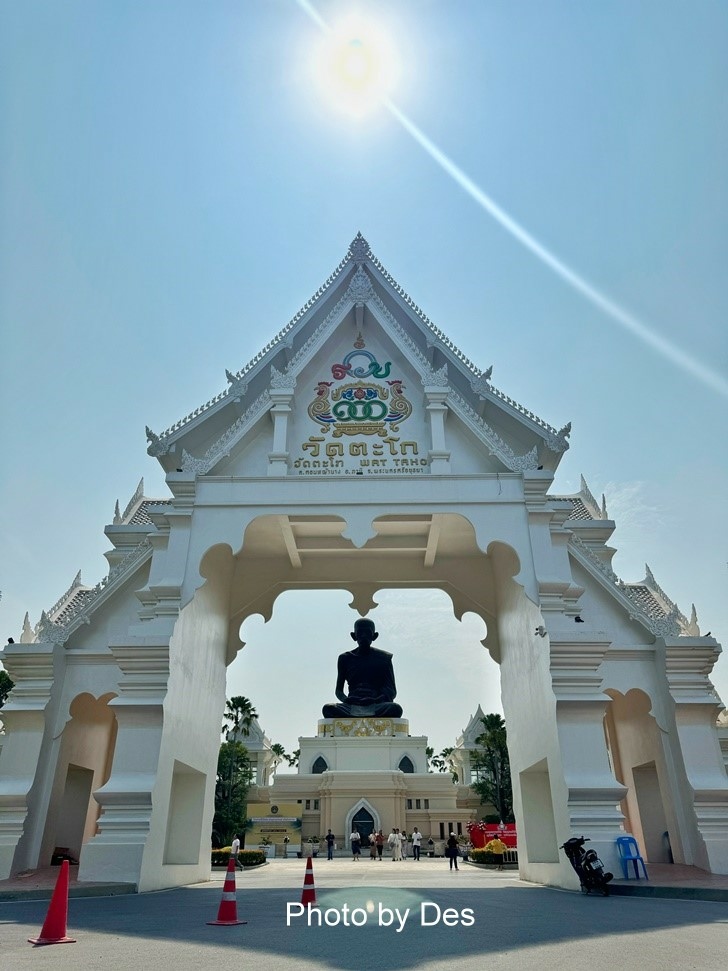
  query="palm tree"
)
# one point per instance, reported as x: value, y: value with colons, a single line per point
x: 239, y: 715
x: 294, y: 757
x: 279, y: 752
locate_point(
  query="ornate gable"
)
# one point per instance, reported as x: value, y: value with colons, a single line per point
x: 357, y: 367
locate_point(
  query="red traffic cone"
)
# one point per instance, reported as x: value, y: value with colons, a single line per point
x: 228, y: 912
x: 309, y: 889
x: 54, y: 928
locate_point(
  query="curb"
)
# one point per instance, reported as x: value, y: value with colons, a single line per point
x: 94, y: 890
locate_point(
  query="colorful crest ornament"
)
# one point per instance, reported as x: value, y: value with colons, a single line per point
x: 360, y: 407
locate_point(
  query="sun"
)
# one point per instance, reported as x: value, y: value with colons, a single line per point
x: 356, y: 66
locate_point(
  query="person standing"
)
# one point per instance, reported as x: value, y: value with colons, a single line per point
x: 373, y: 846
x: 379, y: 840
x: 330, y: 843
x: 234, y: 850
x: 498, y: 848
x: 355, y: 840
x: 452, y: 850
x: 416, y: 841
x: 397, y: 845
x: 403, y: 834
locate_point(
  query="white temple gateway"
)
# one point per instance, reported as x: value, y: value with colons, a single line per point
x: 359, y: 450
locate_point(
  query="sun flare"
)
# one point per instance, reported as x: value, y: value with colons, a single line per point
x: 356, y: 66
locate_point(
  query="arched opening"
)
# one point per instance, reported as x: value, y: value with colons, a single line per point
x: 319, y: 766
x: 84, y: 765
x: 638, y: 763
x: 406, y: 764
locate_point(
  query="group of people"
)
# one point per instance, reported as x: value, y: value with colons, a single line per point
x: 397, y: 841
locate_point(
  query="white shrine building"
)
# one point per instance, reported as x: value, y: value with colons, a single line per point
x: 359, y: 450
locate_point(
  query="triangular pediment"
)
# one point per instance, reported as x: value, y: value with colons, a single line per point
x: 358, y: 372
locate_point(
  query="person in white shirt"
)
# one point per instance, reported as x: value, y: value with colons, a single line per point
x: 416, y: 840
x: 234, y: 850
x: 355, y: 840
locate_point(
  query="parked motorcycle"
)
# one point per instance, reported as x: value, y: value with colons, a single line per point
x: 587, y: 866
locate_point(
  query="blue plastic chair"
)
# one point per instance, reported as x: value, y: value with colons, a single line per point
x: 629, y: 853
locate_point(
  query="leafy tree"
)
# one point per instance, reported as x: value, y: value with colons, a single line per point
x: 438, y: 763
x: 293, y: 758
x: 6, y: 686
x: 239, y: 715
x: 492, y: 767
x: 231, y: 792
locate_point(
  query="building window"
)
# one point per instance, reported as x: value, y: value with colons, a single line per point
x: 308, y: 804
x: 460, y: 829
x: 409, y: 803
x: 418, y: 804
x: 427, y: 803
x: 442, y: 831
x: 406, y: 764
x: 319, y: 766
x: 316, y: 805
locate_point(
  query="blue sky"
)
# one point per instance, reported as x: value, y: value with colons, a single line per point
x: 173, y: 188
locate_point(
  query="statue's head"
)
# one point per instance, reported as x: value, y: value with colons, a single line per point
x: 364, y: 632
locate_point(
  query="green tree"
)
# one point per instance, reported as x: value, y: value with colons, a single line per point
x: 239, y: 715
x: 231, y: 792
x: 6, y: 686
x: 492, y: 767
x: 280, y: 753
x: 293, y: 758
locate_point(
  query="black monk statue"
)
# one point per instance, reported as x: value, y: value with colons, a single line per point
x: 369, y: 674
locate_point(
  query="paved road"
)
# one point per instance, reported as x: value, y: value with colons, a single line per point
x: 515, y: 926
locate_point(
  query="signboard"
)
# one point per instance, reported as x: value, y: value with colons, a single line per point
x: 273, y: 821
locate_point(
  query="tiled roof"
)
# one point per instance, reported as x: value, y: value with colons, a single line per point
x: 75, y: 602
x: 643, y: 596
x: 141, y: 516
x: 579, y: 510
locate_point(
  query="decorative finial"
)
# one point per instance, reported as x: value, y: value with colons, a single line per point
x: 151, y: 437
x: 605, y: 515
x: 693, y: 628
x: 77, y: 582
x: 27, y: 637
x: 359, y: 249
x: 565, y: 431
x: 650, y: 577
x: 117, y: 514
x: 359, y: 342
x: 487, y: 373
x: 230, y: 376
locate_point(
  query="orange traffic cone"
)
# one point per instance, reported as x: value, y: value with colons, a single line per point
x: 228, y: 912
x: 309, y: 889
x: 54, y: 928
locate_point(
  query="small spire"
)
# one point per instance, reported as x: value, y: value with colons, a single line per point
x: 605, y: 515
x: 117, y: 514
x: 27, y: 637
x: 650, y: 577
x: 77, y: 582
x: 693, y: 628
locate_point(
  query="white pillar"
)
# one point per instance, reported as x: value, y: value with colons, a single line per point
x: 437, y: 410
x: 30, y: 666
x: 688, y: 662
x: 278, y: 457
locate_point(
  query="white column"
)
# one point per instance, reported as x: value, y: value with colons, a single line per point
x: 30, y: 666
x: 688, y: 662
x: 278, y: 457
x: 116, y: 853
x: 436, y: 398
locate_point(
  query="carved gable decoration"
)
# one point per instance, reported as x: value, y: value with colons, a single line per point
x: 350, y: 413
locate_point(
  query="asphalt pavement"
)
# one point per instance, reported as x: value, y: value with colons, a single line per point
x: 373, y: 916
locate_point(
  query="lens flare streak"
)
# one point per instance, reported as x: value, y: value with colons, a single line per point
x: 711, y: 379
